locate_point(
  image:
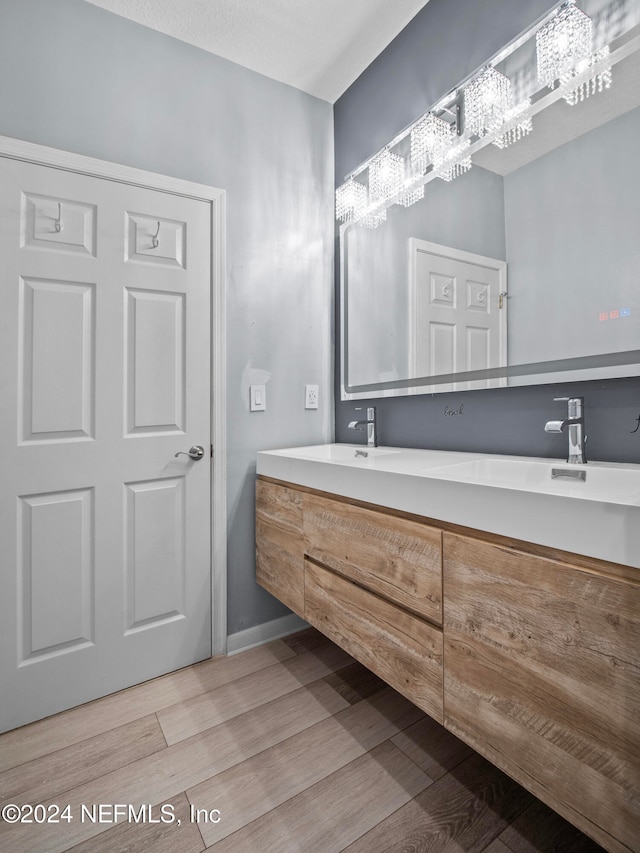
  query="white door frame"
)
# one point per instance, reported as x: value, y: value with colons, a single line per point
x: 41, y: 155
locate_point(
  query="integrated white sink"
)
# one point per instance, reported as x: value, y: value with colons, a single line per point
x: 591, y: 509
x: 594, y: 481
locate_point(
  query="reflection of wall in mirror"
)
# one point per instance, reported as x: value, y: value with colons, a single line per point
x: 571, y: 242
x: 466, y: 214
x: 573, y: 247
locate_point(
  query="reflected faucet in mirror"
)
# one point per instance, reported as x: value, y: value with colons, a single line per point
x: 370, y: 423
x: 574, y: 424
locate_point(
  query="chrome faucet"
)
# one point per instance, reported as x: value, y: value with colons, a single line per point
x: 574, y: 424
x: 370, y: 424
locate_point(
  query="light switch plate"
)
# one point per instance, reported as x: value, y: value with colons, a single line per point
x: 258, y: 398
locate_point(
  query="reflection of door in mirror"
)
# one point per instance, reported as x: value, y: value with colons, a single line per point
x: 459, y: 310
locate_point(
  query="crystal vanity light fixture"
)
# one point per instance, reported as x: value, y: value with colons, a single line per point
x: 440, y: 143
x: 564, y: 51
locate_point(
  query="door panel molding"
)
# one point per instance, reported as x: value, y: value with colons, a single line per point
x: 62, y: 367
x: 458, y: 310
x: 44, y: 156
x: 59, y: 523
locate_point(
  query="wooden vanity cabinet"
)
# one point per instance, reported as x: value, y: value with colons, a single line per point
x: 368, y: 579
x: 279, y: 561
x: 398, y: 646
x: 394, y: 557
x: 529, y: 655
x: 542, y: 676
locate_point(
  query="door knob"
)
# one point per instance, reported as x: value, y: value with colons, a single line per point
x: 195, y: 452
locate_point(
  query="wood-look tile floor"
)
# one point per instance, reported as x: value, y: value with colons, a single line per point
x: 288, y: 747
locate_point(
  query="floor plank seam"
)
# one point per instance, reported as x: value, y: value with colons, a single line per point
x: 166, y: 744
x: 191, y: 804
x: 24, y: 796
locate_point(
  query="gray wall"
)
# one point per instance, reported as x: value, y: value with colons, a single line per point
x: 81, y: 79
x: 573, y: 248
x: 445, y: 42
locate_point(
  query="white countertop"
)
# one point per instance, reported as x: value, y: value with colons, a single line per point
x: 519, y: 497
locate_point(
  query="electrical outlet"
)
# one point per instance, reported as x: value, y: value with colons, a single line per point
x: 311, y: 396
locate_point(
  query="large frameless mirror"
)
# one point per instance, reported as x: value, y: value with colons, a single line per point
x: 513, y: 256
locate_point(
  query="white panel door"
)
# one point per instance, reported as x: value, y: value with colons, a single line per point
x: 105, y: 370
x: 459, y: 313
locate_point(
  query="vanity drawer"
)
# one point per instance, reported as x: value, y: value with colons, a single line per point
x: 394, y: 557
x: 279, y: 554
x: 542, y: 679
x: 402, y: 649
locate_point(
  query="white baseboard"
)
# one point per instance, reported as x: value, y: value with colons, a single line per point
x: 260, y: 634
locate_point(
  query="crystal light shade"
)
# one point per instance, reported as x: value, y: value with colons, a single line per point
x: 564, y: 49
x: 591, y: 76
x: 487, y: 99
x: 434, y: 140
x: 386, y: 175
x: 414, y: 194
x: 517, y: 123
x: 562, y: 44
x: 456, y: 162
x: 351, y: 200
x: 431, y: 139
x: 372, y: 220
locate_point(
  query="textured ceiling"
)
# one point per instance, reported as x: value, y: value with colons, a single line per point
x: 319, y: 46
